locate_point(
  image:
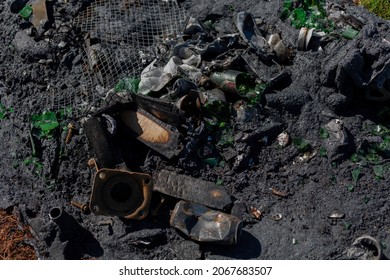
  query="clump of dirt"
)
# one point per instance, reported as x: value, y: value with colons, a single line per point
x: 13, y: 237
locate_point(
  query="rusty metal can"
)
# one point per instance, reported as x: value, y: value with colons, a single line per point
x: 206, y: 225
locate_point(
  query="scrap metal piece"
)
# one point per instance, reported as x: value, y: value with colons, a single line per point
x: 83, y: 207
x: 68, y: 226
x: 157, y: 135
x: 121, y: 193
x: 161, y: 109
x: 279, y: 193
x: 365, y: 247
x: 251, y: 34
x: 205, y: 225
x: 255, y: 213
x: 191, y: 189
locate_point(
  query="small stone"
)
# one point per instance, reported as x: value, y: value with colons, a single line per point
x: 283, y: 139
x: 336, y: 215
x: 62, y: 44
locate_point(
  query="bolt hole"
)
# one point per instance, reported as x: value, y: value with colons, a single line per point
x: 141, y: 213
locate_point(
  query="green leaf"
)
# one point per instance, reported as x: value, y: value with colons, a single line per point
x: 301, y: 144
x: 45, y: 122
x: 324, y: 134
x: 322, y: 152
x: 379, y: 171
x: 356, y: 174
x: 4, y: 111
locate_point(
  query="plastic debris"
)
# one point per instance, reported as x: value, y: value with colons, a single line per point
x: 191, y: 189
x: 205, y: 225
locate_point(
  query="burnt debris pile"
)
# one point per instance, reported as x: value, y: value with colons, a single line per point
x: 161, y: 126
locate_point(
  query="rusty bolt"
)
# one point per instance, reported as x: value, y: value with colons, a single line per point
x: 83, y: 207
x: 106, y: 223
x: 69, y: 136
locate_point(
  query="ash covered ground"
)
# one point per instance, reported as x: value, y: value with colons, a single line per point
x: 332, y: 177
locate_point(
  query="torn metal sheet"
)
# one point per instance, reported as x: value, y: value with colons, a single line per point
x: 161, y: 109
x: 192, y: 189
x: 159, y: 136
x: 205, y: 225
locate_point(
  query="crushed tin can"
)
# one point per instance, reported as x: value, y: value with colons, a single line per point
x: 206, y: 225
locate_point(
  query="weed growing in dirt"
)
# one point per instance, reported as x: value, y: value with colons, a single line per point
x: 46, y: 123
x: 35, y: 163
x: 355, y: 178
x: 4, y: 111
x: 302, y: 145
x: 322, y: 152
x: 377, y: 153
x: 324, y: 134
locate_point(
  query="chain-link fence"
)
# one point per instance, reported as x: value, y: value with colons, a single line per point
x: 121, y: 38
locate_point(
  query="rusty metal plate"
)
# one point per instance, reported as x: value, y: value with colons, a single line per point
x: 121, y: 193
x: 192, y: 189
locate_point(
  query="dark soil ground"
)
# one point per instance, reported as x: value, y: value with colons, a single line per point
x: 325, y: 85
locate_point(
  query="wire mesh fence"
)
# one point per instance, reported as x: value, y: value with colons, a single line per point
x: 121, y: 38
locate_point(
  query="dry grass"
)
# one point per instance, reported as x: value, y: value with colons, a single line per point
x: 12, y: 236
x: 378, y: 7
